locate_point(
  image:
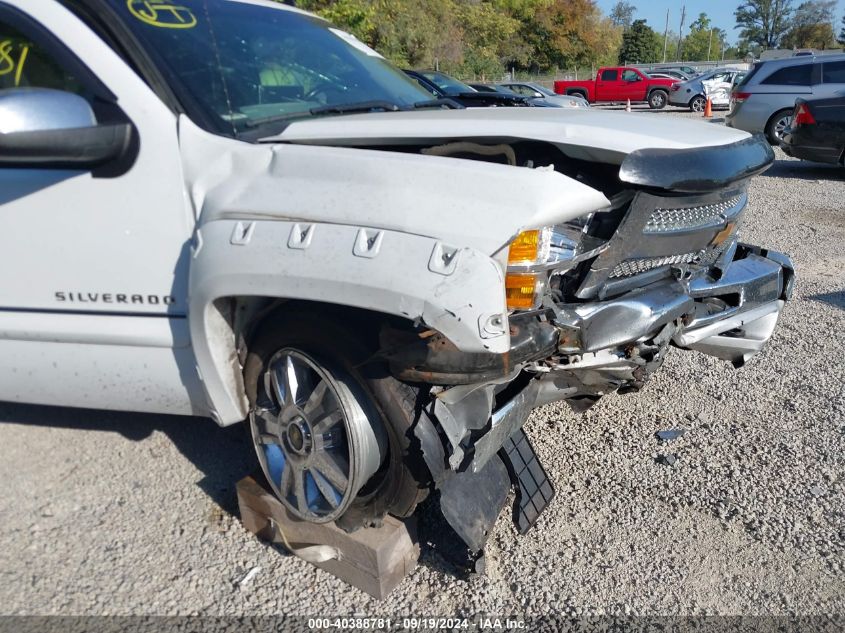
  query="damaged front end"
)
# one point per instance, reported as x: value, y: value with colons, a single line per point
x: 604, y: 299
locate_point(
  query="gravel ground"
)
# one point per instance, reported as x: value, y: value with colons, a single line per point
x: 107, y: 513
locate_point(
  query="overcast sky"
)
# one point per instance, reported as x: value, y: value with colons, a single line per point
x: 721, y: 12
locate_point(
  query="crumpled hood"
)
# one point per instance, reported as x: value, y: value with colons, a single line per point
x: 462, y: 202
x: 588, y: 134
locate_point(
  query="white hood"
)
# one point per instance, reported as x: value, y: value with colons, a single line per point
x: 465, y: 203
x: 586, y: 134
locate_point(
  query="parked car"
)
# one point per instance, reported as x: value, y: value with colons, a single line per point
x: 817, y: 131
x: 541, y: 95
x: 384, y: 285
x: 765, y: 99
x: 689, y: 71
x: 488, y: 88
x: 676, y: 74
x: 619, y: 84
x: 442, y: 86
x: 692, y: 94
x: 663, y: 76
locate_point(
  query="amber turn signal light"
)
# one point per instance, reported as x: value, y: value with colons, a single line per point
x: 521, y: 291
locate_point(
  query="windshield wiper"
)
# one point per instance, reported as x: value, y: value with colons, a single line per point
x: 361, y: 106
x: 440, y: 102
x: 343, y: 108
x: 351, y: 108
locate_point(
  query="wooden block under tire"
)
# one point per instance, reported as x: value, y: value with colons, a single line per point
x: 375, y: 560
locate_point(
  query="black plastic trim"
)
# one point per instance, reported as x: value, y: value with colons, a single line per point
x: 66, y: 148
x: 698, y: 169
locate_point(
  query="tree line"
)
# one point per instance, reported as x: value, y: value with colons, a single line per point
x: 485, y: 38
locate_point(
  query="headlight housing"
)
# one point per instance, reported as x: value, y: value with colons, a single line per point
x: 534, y: 255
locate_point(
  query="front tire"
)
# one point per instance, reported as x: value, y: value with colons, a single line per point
x: 332, y: 431
x: 657, y: 99
x: 697, y: 104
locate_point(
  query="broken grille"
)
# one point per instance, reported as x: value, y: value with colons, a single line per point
x: 632, y: 267
x: 660, y: 232
x: 688, y: 218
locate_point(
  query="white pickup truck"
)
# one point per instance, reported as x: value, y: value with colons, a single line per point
x: 228, y: 208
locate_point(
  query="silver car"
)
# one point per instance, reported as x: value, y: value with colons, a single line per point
x: 764, y: 101
x: 690, y: 94
x: 536, y: 92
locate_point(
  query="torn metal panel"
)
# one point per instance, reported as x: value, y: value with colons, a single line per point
x: 503, y: 424
x: 631, y: 316
x: 458, y: 419
x: 736, y: 338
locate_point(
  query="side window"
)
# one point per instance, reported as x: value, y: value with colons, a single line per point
x: 790, y: 76
x: 833, y: 72
x: 629, y: 75
x: 25, y: 64
x: 609, y: 75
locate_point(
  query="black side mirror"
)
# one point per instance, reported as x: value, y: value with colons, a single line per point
x: 51, y: 128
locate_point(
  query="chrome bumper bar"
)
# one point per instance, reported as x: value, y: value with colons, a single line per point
x: 753, y: 291
x: 616, y: 344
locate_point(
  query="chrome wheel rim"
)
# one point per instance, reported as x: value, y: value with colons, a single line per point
x: 657, y: 99
x: 316, y: 443
x: 698, y: 104
x: 781, y: 126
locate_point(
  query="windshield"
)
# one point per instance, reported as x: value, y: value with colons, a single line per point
x: 544, y: 90
x: 447, y: 84
x: 750, y: 74
x: 710, y: 74
x: 244, y: 64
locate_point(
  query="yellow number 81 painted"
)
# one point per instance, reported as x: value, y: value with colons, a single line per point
x: 162, y: 13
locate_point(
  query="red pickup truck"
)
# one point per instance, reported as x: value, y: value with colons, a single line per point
x: 619, y: 84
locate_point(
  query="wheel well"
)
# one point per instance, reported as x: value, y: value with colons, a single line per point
x: 575, y: 92
x: 248, y: 314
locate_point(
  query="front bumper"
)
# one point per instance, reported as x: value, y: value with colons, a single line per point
x: 731, y: 317
x: 617, y: 344
x: 753, y: 290
x: 604, y: 346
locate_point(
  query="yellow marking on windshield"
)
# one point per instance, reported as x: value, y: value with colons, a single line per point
x: 7, y: 61
x: 162, y: 13
x: 7, y: 64
x: 21, y: 61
